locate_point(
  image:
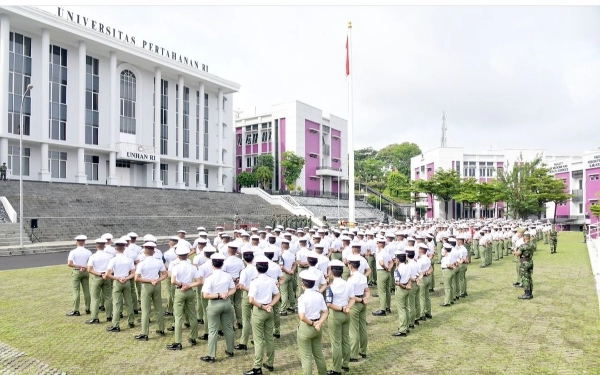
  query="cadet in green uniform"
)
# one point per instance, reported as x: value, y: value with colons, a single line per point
x: 339, y: 297
x: 263, y: 294
x: 120, y: 270
x: 217, y: 289
x: 184, y: 277
x: 403, y: 285
x: 383, y: 264
x: 312, y: 313
x: 525, y: 254
x: 358, y: 312
x: 553, y: 240
x: 97, y: 265
x: 246, y: 276
x: 78, y: 260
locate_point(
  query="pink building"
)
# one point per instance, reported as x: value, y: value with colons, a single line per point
x: 303, y: 129
x: 581, y: 174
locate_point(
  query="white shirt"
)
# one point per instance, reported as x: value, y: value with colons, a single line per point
x: 99, y: 261
x: 262, y: 289
x: 288, y: 260
x: 184, y: 242
x: 170, y: 256
x: 135, y: 248
x: 233, y: 266
x: 80, y: 256
x: 274, y: 271
x: 323, y: 263
x: 320, y: 277
x: 382, y: 255
x: 311, y: 303
x: 111, y: 250
x: 150, y: 268
x: 446, y: 261
x: 424, y: 263
x: 342, y: 292
x: 402, y: 273
x: 205, y: 270
x: 302, y: 254
x: 131, y: 254
x: 247, y: 275
x: 218, y: 282
x: 185, y: 272
x: 120, y: 265
x: 273, y: 249
x: 199, y: 259
x: 358, y: 282
x: 414, y: 268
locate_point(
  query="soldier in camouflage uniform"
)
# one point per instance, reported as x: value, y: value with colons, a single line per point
x: 553, y: 240
x: 525, y: 254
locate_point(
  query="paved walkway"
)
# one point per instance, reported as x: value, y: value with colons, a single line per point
x: 13, y: 361
x: 594, y: 251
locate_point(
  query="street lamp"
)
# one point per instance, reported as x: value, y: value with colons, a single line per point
x: 29, y: 88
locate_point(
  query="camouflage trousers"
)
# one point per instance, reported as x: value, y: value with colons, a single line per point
x: 553, y: 246
x: 526, y: 273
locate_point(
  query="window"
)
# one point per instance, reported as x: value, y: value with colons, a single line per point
x: 224, y: 101
x: 186, y: 175
x: 58, y: 94
x: 490, y: 169
x: 206, y: 177
x: 123, y: 164
x: 164, y: 173
x: 594, y: 177
x: 186, y: 122
x: 164, y: 112
x: 325, y: 129
x: 57, y: 164
x: 197, y: 176
x: 266, y: 132
x: 205, y: 126
x: 13, y: 160
x: 176, y: 121
x: 197, y: 126
x: 482, y: 169
x: 580, y: 208
x: 91, y: 167
x: 239, y: 162
x: 238, y: 141
x: 19, y: 77
x: 325, y: 147
x: 252, y: 134
x: 469, y: 168
x: 92, y: 84
x: 458, y: 166
x: 251, y: 161
x: 128, y: 99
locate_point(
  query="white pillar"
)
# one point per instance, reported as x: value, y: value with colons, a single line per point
x: 220, y: 186
x: 201, y: 183
x: 113, y: 115
x: 157, y: 113
x: 44, y: 174
x: 202, y: 117
x: 80, y: 176
x: 179, y: 183
x: 4, y: 55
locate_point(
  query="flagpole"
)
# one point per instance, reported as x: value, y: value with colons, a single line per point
x: 351, y: 208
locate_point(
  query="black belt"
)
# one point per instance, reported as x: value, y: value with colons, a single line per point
x: 315, y: 320
x: 302, y: 267
x: 178, y: 287
x: 361, y: 296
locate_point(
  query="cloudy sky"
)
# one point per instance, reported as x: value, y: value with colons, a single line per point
x: 507, y: 77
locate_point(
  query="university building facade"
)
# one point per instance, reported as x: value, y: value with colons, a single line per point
x: 109, y: 108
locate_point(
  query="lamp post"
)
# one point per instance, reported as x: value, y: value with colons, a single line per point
x: 338, y: 189
x: 29, y: 88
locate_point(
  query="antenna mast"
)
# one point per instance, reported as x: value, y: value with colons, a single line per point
x: 444, y: 128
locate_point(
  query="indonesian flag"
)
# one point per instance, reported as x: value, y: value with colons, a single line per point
x: 347, y: 59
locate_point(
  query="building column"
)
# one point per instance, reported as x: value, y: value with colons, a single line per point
x: 44, y: 173
x: 201, y: 184
x: 220, y: 186
x: 179, y: 183
x: 4, y: 56
x: 157, y: 183
x: 80, y: 176
x: 113, y: 116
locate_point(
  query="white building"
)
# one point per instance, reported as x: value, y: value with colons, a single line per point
x: 483, y: 166
x: 90, y: 117
x: 303, y: 129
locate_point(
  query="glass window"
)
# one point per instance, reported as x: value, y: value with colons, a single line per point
x: 164, y: 125
x: 128, y: 102
x: 19, y: 77
x: 57, y: 164
x: 92, y: 117
x: 58, y: 95
x: 91, y: 167
x: 164, y: 174
x: 13, y: 160
x: 206, y: 128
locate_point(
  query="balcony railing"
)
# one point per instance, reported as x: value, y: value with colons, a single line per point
x: 577, y: 195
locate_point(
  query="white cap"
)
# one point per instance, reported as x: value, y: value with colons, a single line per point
x: 353, y: 258
x: 308, y: 275
x: 423, y: 246
x: 120, y: 242
x: 346, y: 238
x: 126, y: 238
x: 232, y: 245
x: 149, y: 238
x: 381, y: 239
x: 447, y: 246
x: 285, y: 241
x: 182, y: 250
x: 217, y: 256
x: 254, y: 237
x: 149, y: 244
x: 202, y: 234
x: 245, y: 234
x: 201, y: 229
x: 181, y: 231
x: 253, y: 229
x: 100, y: 240
x: 81, y: 237
x: 132, y: 234
x: 336, y: 263
x: 261, y: 259
x: 174, y: 238
x: 107, y: 236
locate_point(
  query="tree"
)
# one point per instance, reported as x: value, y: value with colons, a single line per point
x: 485, y: 194
x: 398, y: 156
x: 246, y: 179
x: 266, y: 160
x: 423, y: 186
x: 445, y: 185
x: 292, y: 167
x: 594, y: 209
x: 398, y: 185
x: 364, y: 154
x: 468, y: 192
x: 546, y: 189
x: 369, y: 170
x: 264, y: 175
x: 519, y: 198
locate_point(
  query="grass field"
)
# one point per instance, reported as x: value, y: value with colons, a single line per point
x: 489, y: 332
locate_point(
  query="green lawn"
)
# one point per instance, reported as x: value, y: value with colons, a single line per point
x: 489, y: 332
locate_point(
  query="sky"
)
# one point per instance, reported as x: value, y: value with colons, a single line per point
x: 507, y: 77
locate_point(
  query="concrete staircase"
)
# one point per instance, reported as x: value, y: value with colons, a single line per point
x: 9, y: 235
x: 65, y: 210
